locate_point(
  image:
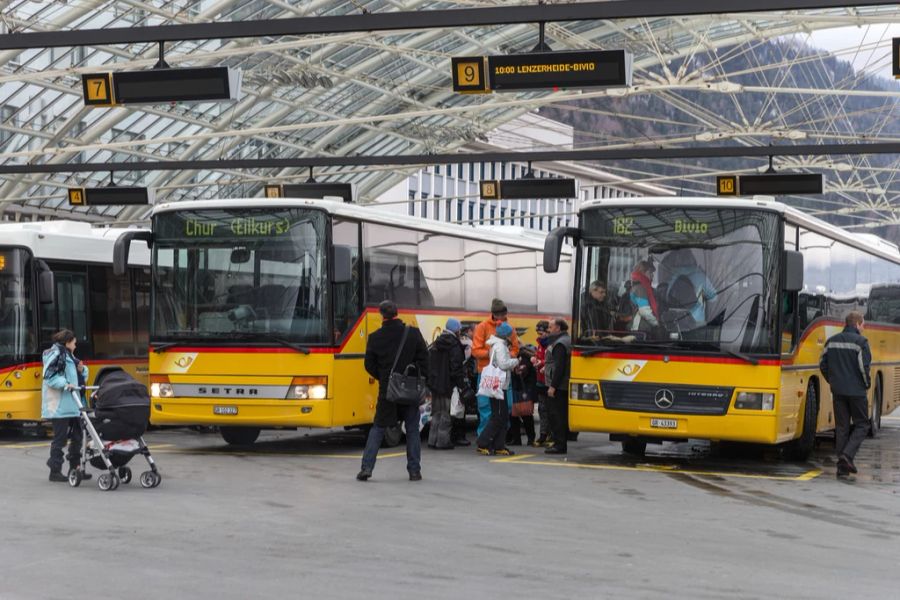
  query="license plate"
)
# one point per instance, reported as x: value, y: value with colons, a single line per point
x: 664, y: 423
x: 225, y: 410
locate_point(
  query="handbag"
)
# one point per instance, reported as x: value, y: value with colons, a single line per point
x: 403, y: 388
x: 522, y: 406
x: 493, y: 380
x: 457, y: 408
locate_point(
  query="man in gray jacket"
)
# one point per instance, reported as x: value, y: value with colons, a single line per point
x: 845, y: 365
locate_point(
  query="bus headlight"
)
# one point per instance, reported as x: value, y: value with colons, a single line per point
x: 161, y: 390
x: 755, y: 401
x: 309, y: 388
x: 584, y: 391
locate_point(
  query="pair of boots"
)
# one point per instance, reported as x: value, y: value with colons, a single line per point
x: 56, y: 474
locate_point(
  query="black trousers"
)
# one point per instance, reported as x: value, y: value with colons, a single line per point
x: 846, y: 409
x: 65, y: 429
x: 493, y: 436
x: 559, y: 419
x: 517, y: 424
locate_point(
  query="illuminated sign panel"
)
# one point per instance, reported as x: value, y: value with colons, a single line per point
x: 727, y: 185
x: 344, y: 191
x: 777, y: 184
x: 469, y: 75
x: 525, y: 189
x: 158, y: 86
x: 551, y: 70
x: 109, y: 196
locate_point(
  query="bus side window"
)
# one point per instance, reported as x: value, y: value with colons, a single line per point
x: 788, y: 320
x: 347, y: 296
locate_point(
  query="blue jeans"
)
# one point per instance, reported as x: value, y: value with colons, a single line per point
x: 410, y: 416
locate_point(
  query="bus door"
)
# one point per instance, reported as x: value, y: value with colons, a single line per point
x: 69, y: 311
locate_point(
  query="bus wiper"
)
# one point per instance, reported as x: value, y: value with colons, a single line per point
x: 160, y: 346
x: 715, y: 348
x: 741, y: 356
x: 274, y: 338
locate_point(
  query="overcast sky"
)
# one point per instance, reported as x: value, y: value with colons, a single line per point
x: 868, y: 47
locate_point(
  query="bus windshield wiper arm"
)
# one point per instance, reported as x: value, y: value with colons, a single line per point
x: 160, y: 346
x: 741, y: 356
x: 279, y: 340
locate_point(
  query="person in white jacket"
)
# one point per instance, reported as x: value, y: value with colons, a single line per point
x: 492, y: 440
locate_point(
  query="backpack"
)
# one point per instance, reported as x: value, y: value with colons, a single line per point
x: 682, y: 293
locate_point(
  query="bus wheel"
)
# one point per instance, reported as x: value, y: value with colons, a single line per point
x: 875, y: 420
x: 239, y: 436
x: 802, y: 447
x: 634, y: 447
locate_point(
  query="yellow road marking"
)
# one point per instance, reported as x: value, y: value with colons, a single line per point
x: 26, y: 445
x: 811, y: 474
x: 202, y: 452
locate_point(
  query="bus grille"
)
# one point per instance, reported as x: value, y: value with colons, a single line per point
x: 666, y: 398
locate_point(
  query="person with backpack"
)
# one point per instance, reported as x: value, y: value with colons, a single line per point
x: 395, y: 346
x: 63, y: 376
x: 445, y: 372
x: 688, y: 286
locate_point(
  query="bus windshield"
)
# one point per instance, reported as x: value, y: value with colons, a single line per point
x: 16, y: 331
x: 679, y: 278
x: 245, y: 275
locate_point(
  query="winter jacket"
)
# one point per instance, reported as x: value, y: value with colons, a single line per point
x: 501, y: 358
x: 445, y: 365
x: 845, y: 363
x: 595, y: 315
x: 56, y: 402
x: 556, y: 373
x: 483, y: 332
x: 541, y: 356
x: 380, y: 352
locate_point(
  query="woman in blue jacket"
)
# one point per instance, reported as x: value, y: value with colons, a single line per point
x: 61, y: 377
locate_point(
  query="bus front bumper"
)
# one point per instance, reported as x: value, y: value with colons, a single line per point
x: 20, y: 405
x: 743, y: 426
x: 246, y: 413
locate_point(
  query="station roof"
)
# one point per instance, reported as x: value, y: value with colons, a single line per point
x: 389, y: 92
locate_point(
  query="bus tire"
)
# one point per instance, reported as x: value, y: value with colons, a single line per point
x: 634, y: 447
x: 802, y: 447
x: 239, y: 436
x: 875, y: 419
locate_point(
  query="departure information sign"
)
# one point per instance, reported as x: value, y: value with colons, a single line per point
x: 781, y: 184
x: 527, y: 189
x: 469, y: 75
x: 310, y: 189
x: 727, y: 185
x: 160, y: 86
x: 560, y: 70
x: 895, y: 51
x: 109, y: 196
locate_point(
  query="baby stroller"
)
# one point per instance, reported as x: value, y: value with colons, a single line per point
x: 114, y: 433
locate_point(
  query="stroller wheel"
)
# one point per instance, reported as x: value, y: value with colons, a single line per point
x: 125, y: 474
x: 149, y: 479
x: 107, y: 482
x: 74, y: 477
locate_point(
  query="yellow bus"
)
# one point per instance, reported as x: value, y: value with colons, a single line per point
x: 55, y: 275
x: 743, y: 295
x: 262, y: 307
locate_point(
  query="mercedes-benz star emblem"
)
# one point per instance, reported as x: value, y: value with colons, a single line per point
x: 664, y: 398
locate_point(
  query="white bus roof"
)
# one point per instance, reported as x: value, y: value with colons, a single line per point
x: 368, y: 212
x: 72, y: 241
x: 881, y: 248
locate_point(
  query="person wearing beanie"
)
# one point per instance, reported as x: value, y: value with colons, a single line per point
x: 492, y: 439
x: 481, y: 350
x: 445, y: 372
x: 542, y: 329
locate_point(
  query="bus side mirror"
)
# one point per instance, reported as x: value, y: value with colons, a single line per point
x: 793, y: 271
x: 46, y: 284
x: 342, y: 264
x: 123, y: 245
x: 553, y: 246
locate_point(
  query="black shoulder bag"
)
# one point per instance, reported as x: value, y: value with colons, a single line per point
x: 403, y: 388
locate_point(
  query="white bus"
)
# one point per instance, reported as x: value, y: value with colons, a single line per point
x: 56, y: 275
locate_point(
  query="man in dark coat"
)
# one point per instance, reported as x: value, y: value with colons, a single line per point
x: 556, y: 373
x: 596, y: 316
x: 381, y: 351
x: 445, y: 372
x: 845, y: 364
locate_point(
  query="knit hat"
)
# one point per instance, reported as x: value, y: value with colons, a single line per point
x: 504, y: 330
x: 542, y: 325
x: 497, y: 306
x: 452, y: 325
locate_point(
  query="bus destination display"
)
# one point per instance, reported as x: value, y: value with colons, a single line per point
x: 552, y: 70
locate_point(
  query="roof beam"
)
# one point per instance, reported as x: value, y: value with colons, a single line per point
x: 439, y: 159
x: 404, y: 20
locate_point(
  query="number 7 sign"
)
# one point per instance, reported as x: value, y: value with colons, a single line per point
x: 97, y: 89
